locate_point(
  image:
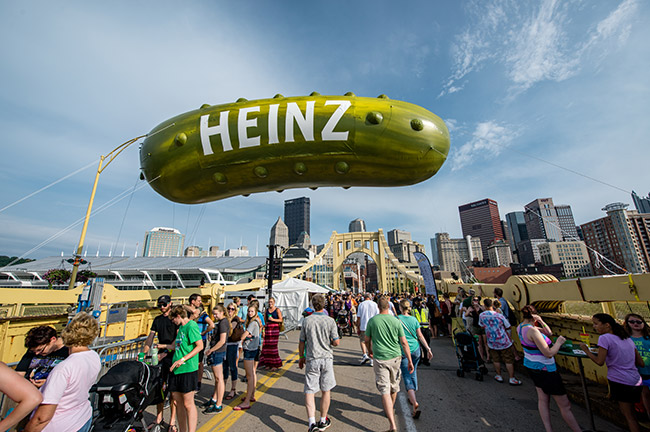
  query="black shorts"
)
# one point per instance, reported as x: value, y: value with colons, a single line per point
x: 257, y: 356
x: 183, y: 383
x: 550, y: 382
x: 624, y: 393
x: 201, y: 355
x: 165, y: 365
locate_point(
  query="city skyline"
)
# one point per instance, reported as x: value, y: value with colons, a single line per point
x: 573, y: 94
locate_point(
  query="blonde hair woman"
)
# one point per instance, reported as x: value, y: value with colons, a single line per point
x: 69, y: 382
x: 232, y: 349
x: 414, y: 338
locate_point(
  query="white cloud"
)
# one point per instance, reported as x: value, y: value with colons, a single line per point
x: 488, y: 140
x: 534, y: 45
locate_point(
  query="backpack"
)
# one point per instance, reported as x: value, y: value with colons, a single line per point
x: 512, y: 319
x: 443, y: 308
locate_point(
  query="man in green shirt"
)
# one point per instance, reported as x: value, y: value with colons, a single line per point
x: 384, y: 335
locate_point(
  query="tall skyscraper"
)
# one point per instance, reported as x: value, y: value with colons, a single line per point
x: 567, y: 223
x: 296, y: 216
x: 279, y: 234
x: 481, y: 219
x: 642, y: 204
x: 161, y: 242
x: 542, y: 221
x: 357, y: 225
x: 622, y: 240
x: 435, y: 261
x: 518, y: 231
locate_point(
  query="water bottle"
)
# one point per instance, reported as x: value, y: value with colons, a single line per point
x: 141, y: 356
x: 154, y: 356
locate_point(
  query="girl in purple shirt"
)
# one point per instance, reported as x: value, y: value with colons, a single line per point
x: 618, y: 352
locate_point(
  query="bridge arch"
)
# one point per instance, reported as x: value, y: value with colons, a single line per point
x: 391, y: 274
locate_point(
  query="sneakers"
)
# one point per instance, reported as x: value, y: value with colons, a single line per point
x: 514, y: 382
x: 324, y: 425
x: 208, y: 403
x: 370, y: 362
x: 313, y: 428
x: 365, y: 359
x: 498, y: 378
x: 213, y: 409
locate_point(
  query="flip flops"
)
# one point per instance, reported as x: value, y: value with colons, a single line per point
x: 231, y: 395
x: 241, y: 408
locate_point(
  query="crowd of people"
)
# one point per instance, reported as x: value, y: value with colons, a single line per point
x: 51, y: 383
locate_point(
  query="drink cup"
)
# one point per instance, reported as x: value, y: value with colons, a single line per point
x: 584, y: 338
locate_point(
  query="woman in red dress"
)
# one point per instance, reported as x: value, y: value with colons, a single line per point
x: 270, y: 357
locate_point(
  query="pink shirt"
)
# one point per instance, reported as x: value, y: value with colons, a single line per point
x: 67, y: 386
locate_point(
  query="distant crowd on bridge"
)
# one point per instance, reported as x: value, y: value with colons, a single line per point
x: 52, y: 382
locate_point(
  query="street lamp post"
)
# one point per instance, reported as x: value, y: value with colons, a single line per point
x: 111, y: 157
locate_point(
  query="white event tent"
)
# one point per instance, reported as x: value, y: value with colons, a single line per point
x: 292, y: 297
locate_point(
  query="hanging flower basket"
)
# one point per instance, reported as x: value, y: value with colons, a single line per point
x: 62, y: 276
x: 57, y: 276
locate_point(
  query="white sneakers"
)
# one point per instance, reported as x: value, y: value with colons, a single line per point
x: 364, y: 359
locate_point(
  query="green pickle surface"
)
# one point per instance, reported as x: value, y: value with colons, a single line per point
x: 245, y: 147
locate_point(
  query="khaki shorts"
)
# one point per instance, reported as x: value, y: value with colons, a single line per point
x: 319, y: 375
x: 387, y: 375
x: 506, y: 356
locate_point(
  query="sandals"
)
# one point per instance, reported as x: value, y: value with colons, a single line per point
x: 416, y: 412
x: 172, y: 428
x: 241, y: 408
x: 231, y: 395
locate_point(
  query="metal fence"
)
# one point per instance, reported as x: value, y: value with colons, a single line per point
x: 114, y: 353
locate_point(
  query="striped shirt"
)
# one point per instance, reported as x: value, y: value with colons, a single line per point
x: 533, y: 357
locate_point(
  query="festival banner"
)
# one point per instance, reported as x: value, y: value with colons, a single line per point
x: 427, y: 274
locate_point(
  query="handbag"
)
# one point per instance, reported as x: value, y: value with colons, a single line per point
x: 282, y: 326
x: 237, y: 332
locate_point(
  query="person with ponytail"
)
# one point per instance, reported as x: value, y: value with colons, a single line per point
x: 539, y: 360
x: 617, y: 350
x: 216, y: 355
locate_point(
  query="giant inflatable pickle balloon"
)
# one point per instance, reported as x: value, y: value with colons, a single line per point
x: 240, y: 148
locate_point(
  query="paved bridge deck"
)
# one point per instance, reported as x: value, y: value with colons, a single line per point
x: 447, y: 402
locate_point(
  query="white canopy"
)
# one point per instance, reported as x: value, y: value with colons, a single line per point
x: 292, y: 297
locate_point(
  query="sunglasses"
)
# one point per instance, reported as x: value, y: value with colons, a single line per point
x: 162, y: 305
x: 231, y: 308
x: 634, y: 322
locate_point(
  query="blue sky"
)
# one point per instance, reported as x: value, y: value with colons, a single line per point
x: 562, y: 81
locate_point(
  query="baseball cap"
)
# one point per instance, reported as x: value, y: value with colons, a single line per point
x: 471, y: 291
x: 164, y: 300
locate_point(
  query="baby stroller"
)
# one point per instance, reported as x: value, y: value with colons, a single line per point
x: 123, y: 394
x: 469, y: 358
x: 343, y: 322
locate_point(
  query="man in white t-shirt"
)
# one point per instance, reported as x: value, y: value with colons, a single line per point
x: 366, y: 310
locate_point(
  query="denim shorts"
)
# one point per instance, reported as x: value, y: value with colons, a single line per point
x: 250, y: 355
x: 216, y: 358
